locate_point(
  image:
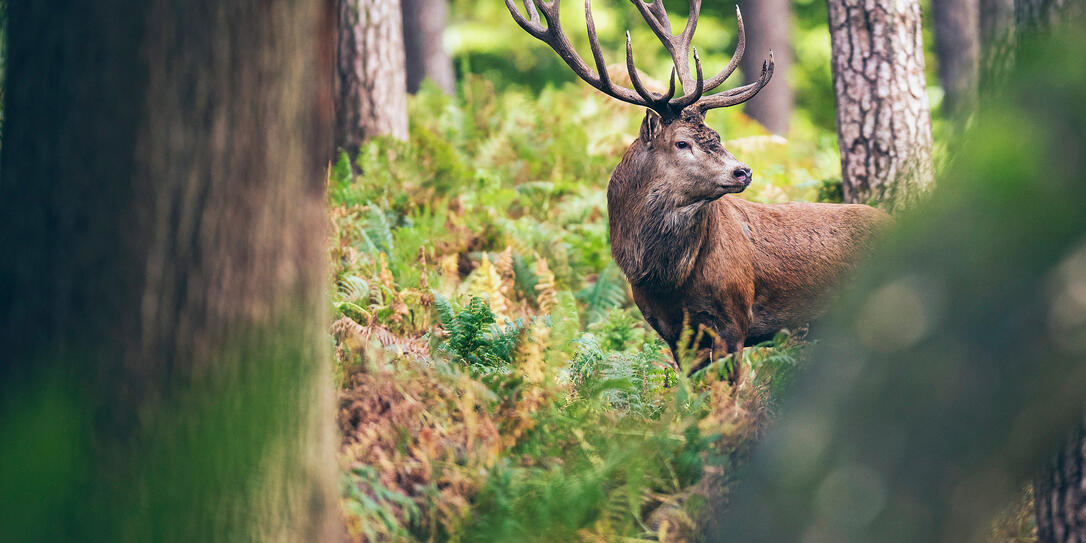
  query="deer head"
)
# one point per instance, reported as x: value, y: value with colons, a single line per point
x: 678, y: 164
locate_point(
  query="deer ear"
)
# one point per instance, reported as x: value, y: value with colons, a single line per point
x: 650, y: 127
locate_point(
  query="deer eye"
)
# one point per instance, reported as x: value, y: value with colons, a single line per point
x: 682, y: 144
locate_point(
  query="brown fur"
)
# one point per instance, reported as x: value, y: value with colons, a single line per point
x: 740, y: 270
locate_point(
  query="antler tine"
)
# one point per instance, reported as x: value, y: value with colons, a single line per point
x: 737, y: 56
x: 699, y: 88
x: 739, y: 95
x: 657, y: 9
x: 553, y: 36
x: 678, y: 46
x: 594, y: 43
x: 531, y: 26
x: 653, y: 100
x: 529, y: 6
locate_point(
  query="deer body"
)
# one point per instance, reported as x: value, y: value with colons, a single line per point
x: 738, y: 269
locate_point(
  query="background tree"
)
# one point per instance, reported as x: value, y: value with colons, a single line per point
x: 769, y: 27
x: 883, y: 117
x: 371, y: 95
x: 165, y: 373
x: 997, y: 45
x: 1060, y: 493
x: 423, y: 26
x: 1060, y: 487
x: 1038, y: 13
x: 946, y: 376
x: 957, y: 44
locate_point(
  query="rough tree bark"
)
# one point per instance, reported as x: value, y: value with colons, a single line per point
x: 371, y: 85
x: 1060, y: 494
x: 162, y: 220
x: 768, y: 24
x: 883, y: 117
x: 423, y: 25
x: 957, y: 44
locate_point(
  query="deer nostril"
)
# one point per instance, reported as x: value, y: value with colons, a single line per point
x: 742, y: 174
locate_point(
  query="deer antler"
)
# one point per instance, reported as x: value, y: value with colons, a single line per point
x: 678, y: 46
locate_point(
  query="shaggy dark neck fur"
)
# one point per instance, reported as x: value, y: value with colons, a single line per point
x: 654, y: 242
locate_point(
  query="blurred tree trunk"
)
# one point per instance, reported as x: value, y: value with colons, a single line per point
x: 165, y: 374
x: 769, y: 27
x: 1037, y: 13
x: 997, y: 43
x: 1060, y: 494
x: 953, y: 363
x: 957, y: 44
x: 371, y: 85
x: 423, y: 26
x: 1060, y: 490
x: 883, y: 117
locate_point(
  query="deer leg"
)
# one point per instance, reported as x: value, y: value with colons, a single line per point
x: 731, y: 343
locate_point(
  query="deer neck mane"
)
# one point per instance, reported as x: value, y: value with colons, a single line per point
x: 655, y: 243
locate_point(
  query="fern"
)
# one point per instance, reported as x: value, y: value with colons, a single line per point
x: 352, y: 294
x: 474, y: 337
x: 377, y: 235
x: 606, y: 293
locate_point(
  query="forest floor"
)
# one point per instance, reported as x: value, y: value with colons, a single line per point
x: 497, y: 381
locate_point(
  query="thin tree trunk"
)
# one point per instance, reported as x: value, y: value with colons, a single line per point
x: 769, y: 27
x: 423, y: 25
x: 957, y: 43
x: 883, y: 117
x: 165, y: 374
x: 371, y: 87
x: 1061, y: 494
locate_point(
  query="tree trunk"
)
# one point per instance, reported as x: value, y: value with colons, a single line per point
x: 997, y: 43
x: 1061, y: 494
x: 883, y: 118
x: 162, y: 221
x: 1060, y: 491
x: 957, y: 43
x: 423, y: 25
x: 953, y: 362
x: 769, y: 27
x: 371, y: 88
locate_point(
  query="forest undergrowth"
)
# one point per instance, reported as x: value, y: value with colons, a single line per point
x: 497, y: 382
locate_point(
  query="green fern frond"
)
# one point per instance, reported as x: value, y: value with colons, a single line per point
x: 608, y: 292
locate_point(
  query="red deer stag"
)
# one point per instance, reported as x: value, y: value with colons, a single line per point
x: 739, y: 270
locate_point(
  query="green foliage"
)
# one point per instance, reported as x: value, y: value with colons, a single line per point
x: 475, y: 260
x: 475, y: 339
x: 523, y: 396
x: 373, y: 504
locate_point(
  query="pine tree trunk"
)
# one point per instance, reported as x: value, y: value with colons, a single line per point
x: 162, y: 220
x: 1061, y: 494
x: 883, y: 117
x: 768, y: 25
x: 957, y: 44
x: 371, y: 85
x: 423, y: 25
